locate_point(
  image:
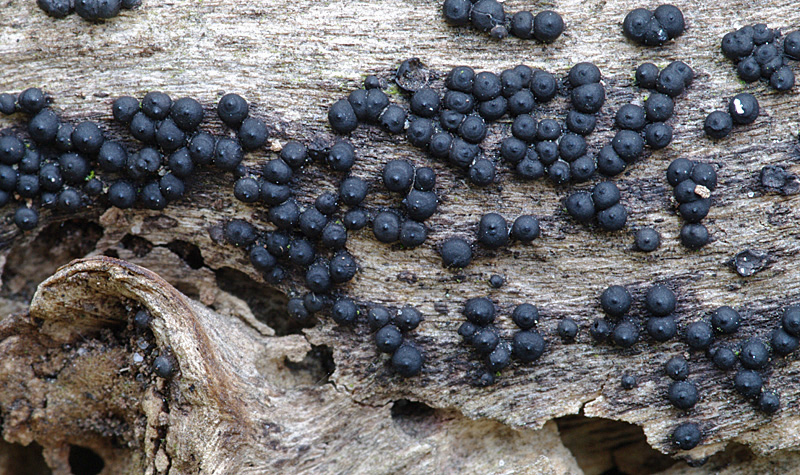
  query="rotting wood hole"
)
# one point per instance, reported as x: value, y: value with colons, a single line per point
x: 139, y: 246
x: 188, y: 252
x: 84, y: 461
x: 318, y: 363
x: 57, y: 244
x: 267, y: 304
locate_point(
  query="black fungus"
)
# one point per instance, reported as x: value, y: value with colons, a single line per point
x: 480, y: 311
x: 628, y: 381
x: 26, y: 218
x: 615, y: 300
x: 567, y: 329
x: 661, y: 328
x: 571, y: 146
x: 163, y: 367
x: 658, y: 107
x: 754, y: 354
x: 625, y: 334
x: 388, y: 339
x: 631, y: 117
x: 355, y: 219
x: 341, y: 156
x: 493, y: 231
x: 252, y: 133
x: 559, y: 172
x: 43, y: 127
x: 677, y: 368
x: 547, y: 26
x: 232, y: 109
x: 783, y: 343
x: 525, y: 316
x: 318, y: 278
x: 600, y: 329
x: 407, y: 361
x: 791, y: 320
x: 647, y: 239
x: 588, y: 98
x: 743, y: 108
x: 261, y: 259
x: 378, y: 317
x: 725, y: 320
x: 748, y: 383
x: 660, y: 300
x: 646, y: 75
x: 487, y: 14
x: 31, y: 100
x: 718, y: 124
x: 285, y: 215
x: 694, y: 236
x: 386, y: 227
x: 482, y: 172
x: 496, y: 281
x: 699, y: 335
x: 425, y: 102
x: 456, y: 253
x: 525, y: 228
x: 528, y: 346
x: 327, y: 203
x: 8, y: 103
x: 723, y: 358
x: 420, y: 205
x: 412, y: 234
x: 613, y: 218
x: 408, y: 318
x: 628, y: 144
x: 467, y: 330
x: 172, y: 187
x: 769, y: 402
x: 393, y: 119
x: 686, y: 436
x: 583, y: 73
x: 398, y: 175
x: 486, y: 85
x: 344, y: 311
x: 682, y: 394
x: 485, y: 340
x: 580, y: 206
x: 657, y: 135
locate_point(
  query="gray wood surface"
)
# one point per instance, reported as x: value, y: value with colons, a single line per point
x: 293, y: 59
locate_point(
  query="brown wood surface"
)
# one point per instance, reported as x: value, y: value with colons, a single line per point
x: 293, y: 59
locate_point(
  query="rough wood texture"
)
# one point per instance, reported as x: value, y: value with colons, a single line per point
x: 293, y: 59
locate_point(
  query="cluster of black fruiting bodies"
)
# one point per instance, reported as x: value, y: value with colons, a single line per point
x: 493, y: 233
x: 692, y: 184
x: 527, y: 344
x: 654, y: 28
x: 602, y: 203
x: 742, y: 110
x: 490, y: 16
x: 752, y: 355
x: 92, y: 10
x: 72, y: 167
x: 759, y: 53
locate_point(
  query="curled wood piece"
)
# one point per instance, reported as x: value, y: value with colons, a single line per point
x: 77, y: 372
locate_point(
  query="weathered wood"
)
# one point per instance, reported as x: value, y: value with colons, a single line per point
x: 293, y: 59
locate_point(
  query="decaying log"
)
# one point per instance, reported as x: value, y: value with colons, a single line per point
x: 292, y: 60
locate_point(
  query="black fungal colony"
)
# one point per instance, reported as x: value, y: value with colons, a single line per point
x: 527, y: 345
x: 66, y: 167
x: 750, y: 357
x: 692, y: 184
x: 637, y: 126
x: 92, y: 10
x: 653, y: 28
x: 742, y: 110
x: 760, y: 53
x: 490, y: 16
